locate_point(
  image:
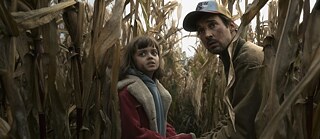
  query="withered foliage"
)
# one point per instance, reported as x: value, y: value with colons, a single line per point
x: 60, y: 59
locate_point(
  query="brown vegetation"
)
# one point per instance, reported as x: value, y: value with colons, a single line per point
x: 59, y: 66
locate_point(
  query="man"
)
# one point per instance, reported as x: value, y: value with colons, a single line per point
x: 242, y: 64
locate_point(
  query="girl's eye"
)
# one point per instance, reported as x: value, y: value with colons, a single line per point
x: 142, y: 54
x: 154, y: 53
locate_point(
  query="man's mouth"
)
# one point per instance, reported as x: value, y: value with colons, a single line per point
x: 212, y: 43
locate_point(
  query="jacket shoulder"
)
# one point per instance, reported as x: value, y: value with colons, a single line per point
x: 250, y: 53
x: 130, y: 80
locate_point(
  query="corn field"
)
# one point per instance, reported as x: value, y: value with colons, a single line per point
x: 60, y: 59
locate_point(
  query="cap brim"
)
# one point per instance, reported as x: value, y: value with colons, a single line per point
x: 191, y: 19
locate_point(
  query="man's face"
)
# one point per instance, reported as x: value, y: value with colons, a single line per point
x: 214, y: 34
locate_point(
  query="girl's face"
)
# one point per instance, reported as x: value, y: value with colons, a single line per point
x: 147, y: 60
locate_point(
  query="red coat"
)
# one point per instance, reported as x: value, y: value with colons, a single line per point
x: 135, y: 121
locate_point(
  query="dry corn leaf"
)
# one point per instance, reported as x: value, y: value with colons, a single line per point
x: 11, y: 26
x: 4, y: 129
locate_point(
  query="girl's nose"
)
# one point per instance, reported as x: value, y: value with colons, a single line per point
x: 149, y: 55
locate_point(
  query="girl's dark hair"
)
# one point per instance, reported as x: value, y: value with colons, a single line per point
x: 131, y: 48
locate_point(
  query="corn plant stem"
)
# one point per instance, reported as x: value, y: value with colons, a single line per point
x: 10, y: 25
x: 75, y: 60
x: 79, y: 121
x: 39, y: 83
x: 42, y: 125
x: 309, y: 103
x: 74, y: 23
x: 113, y: 105
x: 309, y: 116
x: 40, y: 98
x: 78, y: 42
x: 19, y: 128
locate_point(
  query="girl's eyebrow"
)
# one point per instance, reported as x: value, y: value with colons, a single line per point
x: 144, y: 49
x: 141, y: 50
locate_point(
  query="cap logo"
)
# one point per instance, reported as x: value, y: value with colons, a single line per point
x: 207, y: 6
x: 201, y: 5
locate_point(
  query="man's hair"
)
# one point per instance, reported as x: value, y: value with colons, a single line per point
x: 226, y: 21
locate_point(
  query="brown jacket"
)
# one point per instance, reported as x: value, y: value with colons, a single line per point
x: 244, y: 93
x: 138, y: 112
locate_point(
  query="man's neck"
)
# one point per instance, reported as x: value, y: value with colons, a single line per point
x: 225, y: 58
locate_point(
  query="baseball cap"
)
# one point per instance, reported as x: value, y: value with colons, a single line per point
x: 189, y: 22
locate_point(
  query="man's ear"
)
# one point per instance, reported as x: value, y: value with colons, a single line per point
x: 233, y: 27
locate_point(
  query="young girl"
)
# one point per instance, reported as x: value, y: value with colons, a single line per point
x: 144, y: 102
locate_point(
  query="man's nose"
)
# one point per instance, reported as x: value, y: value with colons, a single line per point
x: 208, y: 33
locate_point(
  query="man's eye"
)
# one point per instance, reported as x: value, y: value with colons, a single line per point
x: 200, y: 31
x: 212, y: 25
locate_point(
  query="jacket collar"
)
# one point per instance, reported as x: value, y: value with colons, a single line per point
x: 140, y: 91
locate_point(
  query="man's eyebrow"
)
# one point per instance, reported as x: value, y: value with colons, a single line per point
x: 205, y: 21
x: 210, y: 20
